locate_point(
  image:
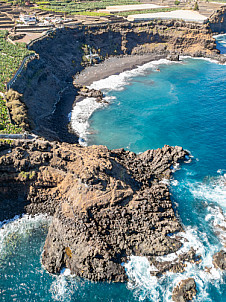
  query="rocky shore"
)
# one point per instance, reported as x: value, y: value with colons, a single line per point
x: 107, y: 205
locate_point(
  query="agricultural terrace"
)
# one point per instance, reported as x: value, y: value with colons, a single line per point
x: 11, y: 56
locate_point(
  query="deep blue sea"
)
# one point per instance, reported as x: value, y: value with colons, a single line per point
x: 159, y: 103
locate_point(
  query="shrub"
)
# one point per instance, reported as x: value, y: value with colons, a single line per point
x: 196, y: 7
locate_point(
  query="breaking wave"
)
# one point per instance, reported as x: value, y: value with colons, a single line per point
x: 83, y: 110
x: 80, y: 115
x: 13, y: 229
x: 147, y: 286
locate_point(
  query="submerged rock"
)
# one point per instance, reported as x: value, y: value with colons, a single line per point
x: 107, y: 205
x: 185, y: 291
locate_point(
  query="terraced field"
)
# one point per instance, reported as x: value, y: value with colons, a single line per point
x: 11, y: 56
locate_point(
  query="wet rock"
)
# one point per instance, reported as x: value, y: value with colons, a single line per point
x: 178, y: 265
x: 219, y: 260
x: 173, y: 57
x: 87, y: 92
x: 185, y: 291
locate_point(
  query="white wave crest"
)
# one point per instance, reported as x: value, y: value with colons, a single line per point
x: 214, y: 190
x: 200, y: 58
x: 64, y: 286
x: 118, y: 82
x: 160, y: 289
x: 140, y: 280
x: 80, y: 117
x: 17, y: 227
x: 219, y: 36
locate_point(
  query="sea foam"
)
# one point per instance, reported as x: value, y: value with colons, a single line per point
x: 80, y: 117
x: 64, y: 286
x: 213, y: 192
x: 19, y: 226
x: 145, y: 285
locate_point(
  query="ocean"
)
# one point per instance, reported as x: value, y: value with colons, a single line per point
x: 175, y: 103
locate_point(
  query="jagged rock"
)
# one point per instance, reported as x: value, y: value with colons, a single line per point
x: 176, y: 266
x: 89, y: 93
x: 219, y: 260
x: 107, y: 205
x: 173, y: 57
x: 185, y: 291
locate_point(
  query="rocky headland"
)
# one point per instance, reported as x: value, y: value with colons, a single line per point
x: 106, y: 205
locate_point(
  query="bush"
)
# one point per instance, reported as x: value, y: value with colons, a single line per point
x: 177, y: 2
x: 196, y: 7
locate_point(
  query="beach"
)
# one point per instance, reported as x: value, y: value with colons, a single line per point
x: 113, y: 65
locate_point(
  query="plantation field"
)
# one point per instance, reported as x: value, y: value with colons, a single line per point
x: 11, y: 56
x: 80, y: 7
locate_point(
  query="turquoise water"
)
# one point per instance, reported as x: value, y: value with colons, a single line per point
x: 182, y: 104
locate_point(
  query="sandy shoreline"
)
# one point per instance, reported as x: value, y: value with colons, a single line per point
x: 113, y: 65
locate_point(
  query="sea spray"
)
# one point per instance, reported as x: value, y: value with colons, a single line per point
x: 64, y: 286
x: 80, y: 117
x: 13, y: 229
x: 155, y: 289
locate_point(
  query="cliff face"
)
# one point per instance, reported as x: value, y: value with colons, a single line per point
x: 107, y: 205
x: 218, y: 21
x: 48, y: 80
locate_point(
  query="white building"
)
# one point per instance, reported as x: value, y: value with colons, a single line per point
x: 28, y: 19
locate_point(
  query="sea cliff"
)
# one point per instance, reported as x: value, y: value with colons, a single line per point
x: 47, y: 82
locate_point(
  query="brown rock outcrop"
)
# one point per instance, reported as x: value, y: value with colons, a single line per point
x: 219, y: 260
x: 107, y: 205
x: 185, y: 291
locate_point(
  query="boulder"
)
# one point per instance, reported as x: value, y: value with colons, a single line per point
x: 185, y: 291
x: 219, y: 260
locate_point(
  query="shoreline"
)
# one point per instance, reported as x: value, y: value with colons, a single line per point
x: 114, y: 66
x: 79, y: 121
x: 83, y: 107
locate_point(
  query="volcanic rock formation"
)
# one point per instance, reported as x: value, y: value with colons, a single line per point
x: 107, y: 205
x: 185, y: 291
x: 219, y: 260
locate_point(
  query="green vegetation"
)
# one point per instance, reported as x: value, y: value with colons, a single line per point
x: 148, y: 11
x: 24, y: 176
x: 196, y: 7
x: 176, y: 2
x: 11, y: 56
x: 87, y: 7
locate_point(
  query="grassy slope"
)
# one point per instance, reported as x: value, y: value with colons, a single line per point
x: 11, y: 56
